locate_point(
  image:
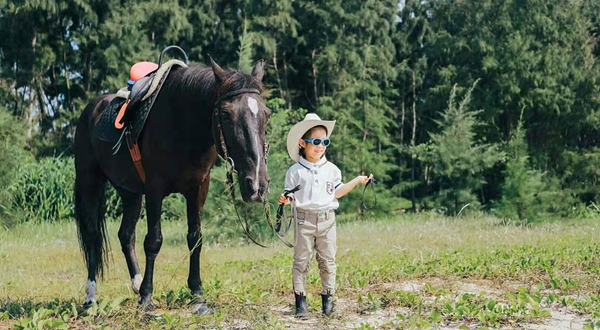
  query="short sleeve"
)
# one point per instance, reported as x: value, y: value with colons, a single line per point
x: 337, y: 179
x: 291, y: 179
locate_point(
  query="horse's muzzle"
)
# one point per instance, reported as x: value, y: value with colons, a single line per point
x: 254, y: 190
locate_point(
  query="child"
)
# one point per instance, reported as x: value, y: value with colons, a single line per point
x: 320, y: 186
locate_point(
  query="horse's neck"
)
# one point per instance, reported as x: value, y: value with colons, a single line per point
x: 189, y: 109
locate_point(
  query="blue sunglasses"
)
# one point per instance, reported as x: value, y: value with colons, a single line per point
x: 318, y: 141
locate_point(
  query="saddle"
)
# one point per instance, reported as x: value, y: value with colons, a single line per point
x: 141, y: 76
x: 134, y: 103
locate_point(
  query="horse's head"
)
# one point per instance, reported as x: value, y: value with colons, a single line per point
x: 243, y: 117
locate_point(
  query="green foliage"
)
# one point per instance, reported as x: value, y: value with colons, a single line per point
x: 13, y: 154
x: 456, y: 158
x: 527, y: 193
x: 245, y: 51
x: 12, y: 144
x: 43, y: 191
x: 383, y: 71
x: 581, y: 173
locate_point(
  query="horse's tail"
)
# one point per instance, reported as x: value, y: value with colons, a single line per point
x: 90, y: 199
x: 91, y: 228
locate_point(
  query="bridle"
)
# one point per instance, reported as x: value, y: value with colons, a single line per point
x: 221, y: 146
x: 218, y: 128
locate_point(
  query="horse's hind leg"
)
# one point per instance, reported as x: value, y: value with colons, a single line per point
x: 195, y: 203
x: 152, y: 244
x: 132, y: 205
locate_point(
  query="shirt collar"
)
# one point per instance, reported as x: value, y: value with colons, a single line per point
x: 308, y: 164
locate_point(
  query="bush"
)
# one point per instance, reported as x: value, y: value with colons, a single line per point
x: 12, y: 154
x: 528, y: 194
x: 43, y: 191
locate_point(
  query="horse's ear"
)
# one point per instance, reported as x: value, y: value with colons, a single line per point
x: 259, y: 70
x: 217, y: 70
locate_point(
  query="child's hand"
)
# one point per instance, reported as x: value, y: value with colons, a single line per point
x: 364, y: 179
x: 283, y: 200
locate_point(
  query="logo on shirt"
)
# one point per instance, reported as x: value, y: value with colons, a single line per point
x: 329, y: 187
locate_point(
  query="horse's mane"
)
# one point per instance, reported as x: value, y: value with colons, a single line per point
x: 199, y: 81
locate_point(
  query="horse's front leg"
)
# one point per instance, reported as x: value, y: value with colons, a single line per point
x: 195, y: 199
x: 152, y: 244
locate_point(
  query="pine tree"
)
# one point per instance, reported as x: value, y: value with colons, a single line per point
x: 456, y: 157
x: 522, y: 184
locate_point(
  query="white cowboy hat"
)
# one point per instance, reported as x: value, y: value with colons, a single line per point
x: 297, y: 131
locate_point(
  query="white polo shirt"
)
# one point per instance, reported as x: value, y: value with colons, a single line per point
x: 319, y: 182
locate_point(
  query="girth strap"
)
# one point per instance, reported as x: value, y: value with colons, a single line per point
x: 136, y: 156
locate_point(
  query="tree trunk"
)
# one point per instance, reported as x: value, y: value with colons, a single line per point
x: 314, y: 72
x: 31, y: 112
x: 287, y: 88
x: 401, y: 139
x: 277, y: 72
x: 412, y: 140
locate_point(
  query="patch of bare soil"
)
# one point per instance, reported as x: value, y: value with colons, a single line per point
x: 349, y: 315
x: 560, y: 319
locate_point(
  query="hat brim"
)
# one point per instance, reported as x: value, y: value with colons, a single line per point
x: 298, y: 130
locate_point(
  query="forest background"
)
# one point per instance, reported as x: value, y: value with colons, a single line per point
x: 473, y: 105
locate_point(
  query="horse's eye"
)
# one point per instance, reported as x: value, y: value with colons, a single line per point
x: 226, y: 116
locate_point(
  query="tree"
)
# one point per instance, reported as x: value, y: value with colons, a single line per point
x: 523, y: 185
x: 412, y: 33
x: 456, y: 157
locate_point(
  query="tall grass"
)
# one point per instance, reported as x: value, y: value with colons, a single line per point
x: 43, y: 191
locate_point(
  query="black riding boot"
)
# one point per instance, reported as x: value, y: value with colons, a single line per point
x: 301, y: 307
x: 327, y: 300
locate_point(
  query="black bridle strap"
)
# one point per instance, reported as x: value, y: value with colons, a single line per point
x: 235, y: 93
x: 281, y: 208
x: 217, y: 117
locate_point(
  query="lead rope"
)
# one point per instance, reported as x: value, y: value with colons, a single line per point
x: 281, y: 216
x: 371, y: 183
x: 243, y: 224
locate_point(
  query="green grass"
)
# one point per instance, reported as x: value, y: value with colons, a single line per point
x: 523, y: 274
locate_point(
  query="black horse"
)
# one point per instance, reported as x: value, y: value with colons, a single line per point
x: 199, y: 112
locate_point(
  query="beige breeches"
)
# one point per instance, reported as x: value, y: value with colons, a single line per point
x: 315, y: 231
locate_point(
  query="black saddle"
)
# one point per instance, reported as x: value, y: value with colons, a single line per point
x: 137, y: 109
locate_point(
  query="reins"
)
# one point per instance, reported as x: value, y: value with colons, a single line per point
x: 244, y: 224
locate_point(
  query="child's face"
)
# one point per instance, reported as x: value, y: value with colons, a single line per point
x: 314, y: 153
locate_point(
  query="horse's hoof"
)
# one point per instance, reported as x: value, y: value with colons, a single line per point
x: 88, y: 304
x: 202, y: 309
x: 147, y: 305
x: 136, y: 283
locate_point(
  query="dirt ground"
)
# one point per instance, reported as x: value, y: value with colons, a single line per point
x: 349, y: 316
